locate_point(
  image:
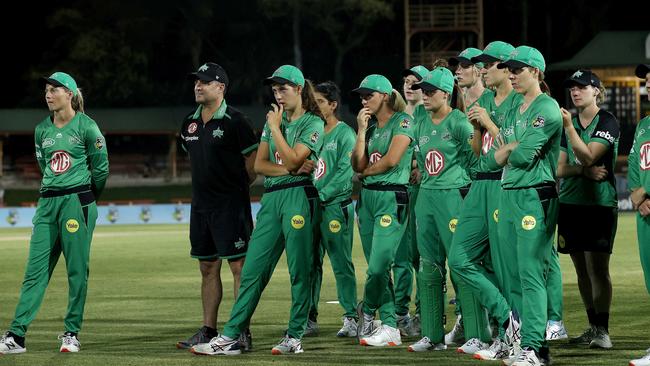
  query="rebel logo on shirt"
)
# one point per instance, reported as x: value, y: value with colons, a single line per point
x: 60, y: 162
x: 488, y: 141
x: 605, y: 135
x: 192, y: 127
x: 278, y: 159
x: 320, y: 170
x: 374, y: 157
x: 644, y: 154
x: 434, y: 162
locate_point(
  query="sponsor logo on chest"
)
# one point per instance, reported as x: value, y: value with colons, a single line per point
x: 60, y: 162
x: 320, y: 170
x: 434, y: 162
x: 47, y: 142
x: 488, y: 141
x: 374, y: 157
x: 644, y: 155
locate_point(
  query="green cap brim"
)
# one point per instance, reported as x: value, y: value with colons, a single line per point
x: 453, y: 61
x: 364, y: 91
x: 425, y: 87
x: 512, y: 63
x: 278, y: 80
x: 408, y: 72
x: 46, y: 80
x: 484, y: 59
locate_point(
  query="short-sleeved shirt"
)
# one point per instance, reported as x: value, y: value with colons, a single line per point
x: 446, y: 150
x: 378, y: 142
x: 71, y: 156
x: 306, y: 130
x: 581, y: 190
x: 638, y: 174
x: 217, y: 151
x: 333, y: 174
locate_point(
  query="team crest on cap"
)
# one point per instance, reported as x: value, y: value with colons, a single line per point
x: 203, y: 68
x: 576, y: 74
x: 192, y: 127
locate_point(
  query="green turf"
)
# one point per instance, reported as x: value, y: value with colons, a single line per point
x: 144, y: 296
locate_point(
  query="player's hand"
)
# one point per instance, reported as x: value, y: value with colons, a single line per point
x: 596, y: 173
x: 478, y: 116
x: 274, y: 117
x: 644, y: 208
x: 566, y: 118
x: 416, y: 176
x: 637, y: 197
x: 362, y: 118
x: 306, y: 167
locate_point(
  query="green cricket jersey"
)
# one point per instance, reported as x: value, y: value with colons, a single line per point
x: 71, y: 156
x: 638, y: 174
x: 333, y: 174
x: 377, y: 143
x: 446, y: 150
x: 538, y: 130
x: 306, y: 130
x: 486, y: 95
x: 580, y: 190
x: 498, y: 115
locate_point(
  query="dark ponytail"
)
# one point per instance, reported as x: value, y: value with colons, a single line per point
x: 309, y: 99
x: 457, y: 99
x: 332, y: 93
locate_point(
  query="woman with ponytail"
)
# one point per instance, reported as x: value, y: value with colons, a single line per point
x: 443, y: 136
x: 382, y: 156
x: 71, y: 153
x: 292, y: 134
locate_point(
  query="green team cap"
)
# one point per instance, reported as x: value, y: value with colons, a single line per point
x: 438, y: 79
x: 465, y: 57
x: 523, y: 56
x: 418, y: 71
x: 64, y: 80
x: 495, y: 51
x: 374, y: 83
x: 286, y: 74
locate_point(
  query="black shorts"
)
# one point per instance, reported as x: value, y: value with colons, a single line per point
x: 222, y: 233
x: 584, y: 228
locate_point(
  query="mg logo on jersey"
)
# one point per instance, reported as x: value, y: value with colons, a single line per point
x: 645, y: 156
x: 488, y: 141
x: 374, y: 157
x: 320, y: 169
x: 60, y: 162
x: 434, y: 162
x: 192, y: 127
x: 278, y: 159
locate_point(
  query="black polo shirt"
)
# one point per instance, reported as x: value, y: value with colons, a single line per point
x: 217, y: 151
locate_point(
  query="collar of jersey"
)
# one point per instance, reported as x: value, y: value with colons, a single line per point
x: 221, y: 111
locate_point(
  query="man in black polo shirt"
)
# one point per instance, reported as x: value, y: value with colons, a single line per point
x: 222, y: 148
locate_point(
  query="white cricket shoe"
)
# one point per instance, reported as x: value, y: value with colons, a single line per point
x: 311, y: 329
x: 457, y: 333
x: 498, y: 350
x: 218, y: 345
x: 383, y: 336
x: 288, y: 345
x: 8, y: 345
x: 425, y: 344
x: 69, y: 342
x: 527, y: 357
x: 643, y: 361
x: 513, y: 332
x: 349, y: 328
x: 585, y: 337
x: 601, y: 339
x: 472, y: 346
x: 555, y: 330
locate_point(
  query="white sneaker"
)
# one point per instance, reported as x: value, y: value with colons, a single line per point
x: 457, y: 333
x: 498, y: 350
x: 9, y: 346
x: 513, y: 352
x: 643, y: 361
x: 382, y: 336
x: 349, y: 328
x: 527, y: 358
x: 555, y: 330
x: 288, y: 345
x: 472, y: 346
x: 311, y: 329
x: 585, y: 337
x: 425, y: 344
x: 513, y: 332
x: 601, y: 339
x: 367, y: 327
x: 217, y: 346
x: 69, y: 343
x: 404, y: 325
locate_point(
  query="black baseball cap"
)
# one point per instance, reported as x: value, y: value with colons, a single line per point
x: 642, y: 70
x: 210, y: 71
x: 584, y: 78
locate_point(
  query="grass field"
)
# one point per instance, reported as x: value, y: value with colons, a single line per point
x: 144, y: 296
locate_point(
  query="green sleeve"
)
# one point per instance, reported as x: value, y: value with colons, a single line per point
x: 463, y: 133
x: 311, y: 134
x: 404, y: 126
x: 342, y: 179
x: 633, y: 165
x: 39, y: 153
x: 97, y: 158
x: 266, y: 134
x: 545, y: 123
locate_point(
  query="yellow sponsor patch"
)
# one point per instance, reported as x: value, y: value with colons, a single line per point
x: 297, y: 222
x: 495, y: 215
x: 385, y: 221
x: 528, y: 223
x: 452, y: 225
x: 72, y: 225
x: 561, y: 242
x: 335, y: 226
